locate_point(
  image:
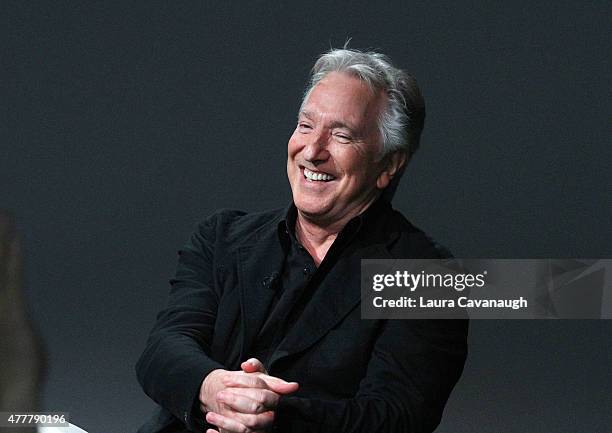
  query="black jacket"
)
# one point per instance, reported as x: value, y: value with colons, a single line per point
x: 355, y: 375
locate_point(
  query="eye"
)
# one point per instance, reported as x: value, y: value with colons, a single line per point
x: 343, y: 138
x: 304, y: 127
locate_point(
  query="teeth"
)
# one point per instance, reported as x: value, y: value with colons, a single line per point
x: 311, y: 175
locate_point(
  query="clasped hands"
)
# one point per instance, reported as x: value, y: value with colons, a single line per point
x: 242, y: 401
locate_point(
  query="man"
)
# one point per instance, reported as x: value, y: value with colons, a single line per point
x: 263, y: 330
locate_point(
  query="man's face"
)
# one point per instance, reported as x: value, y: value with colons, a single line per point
x: 333, y: 155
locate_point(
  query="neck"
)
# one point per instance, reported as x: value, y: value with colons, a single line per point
x: 318, y: 236
x: 316, y: 239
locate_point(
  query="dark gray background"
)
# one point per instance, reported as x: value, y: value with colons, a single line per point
x: 124, y: 124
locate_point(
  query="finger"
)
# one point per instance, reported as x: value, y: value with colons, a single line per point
x: 252, y: 421
x: 253, y: 365
x: 259, y: 380
x: 210, y: 430
x: 240, y: 423
x: 244, y: 380
x: 279, y: 385
x: 248, y: 400
x: 223, y: 422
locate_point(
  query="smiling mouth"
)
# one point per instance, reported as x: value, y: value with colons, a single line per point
x: 317, y: 176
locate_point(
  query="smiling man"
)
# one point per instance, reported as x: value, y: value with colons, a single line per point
x: 262, y: 330
x: 336, y: 164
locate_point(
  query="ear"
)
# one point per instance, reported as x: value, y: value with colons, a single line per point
x: 393, y: 165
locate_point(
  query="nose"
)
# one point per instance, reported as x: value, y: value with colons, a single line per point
x: 315, y: 151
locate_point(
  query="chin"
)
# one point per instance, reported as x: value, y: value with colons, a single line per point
x: 310, y: 208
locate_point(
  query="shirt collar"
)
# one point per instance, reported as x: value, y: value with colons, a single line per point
x: 286, y: 227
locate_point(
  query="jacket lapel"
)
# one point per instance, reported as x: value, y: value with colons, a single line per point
x: 259, y: 266
x: 338, y: 294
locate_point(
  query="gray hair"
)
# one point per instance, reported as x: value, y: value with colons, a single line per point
x: 401, y: 123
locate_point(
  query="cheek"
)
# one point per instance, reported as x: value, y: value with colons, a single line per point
x: 352, y: 162
x: 293, y: 145
x: 361, y: 171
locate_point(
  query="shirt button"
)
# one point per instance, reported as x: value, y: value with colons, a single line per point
x: 306, y: 270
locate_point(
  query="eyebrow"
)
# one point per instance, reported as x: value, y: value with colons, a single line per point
x: 335, y: 124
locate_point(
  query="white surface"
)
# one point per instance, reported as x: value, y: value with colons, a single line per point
x: 71, y: 429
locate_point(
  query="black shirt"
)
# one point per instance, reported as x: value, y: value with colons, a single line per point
x: 300, y: 277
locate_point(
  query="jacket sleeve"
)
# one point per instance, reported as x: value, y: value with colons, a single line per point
x: 412, y: 370
x: 175, y: 360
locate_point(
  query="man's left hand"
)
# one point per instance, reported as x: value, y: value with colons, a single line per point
x: 241, y: 397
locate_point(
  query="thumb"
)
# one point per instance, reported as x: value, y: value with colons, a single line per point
x: 253, y: 365
x: 279, y: 385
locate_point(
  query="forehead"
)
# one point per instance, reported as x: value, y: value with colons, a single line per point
x: 339, y: 96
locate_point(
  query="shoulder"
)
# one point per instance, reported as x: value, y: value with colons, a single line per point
x: 412, y: 242
x: 234, y: 226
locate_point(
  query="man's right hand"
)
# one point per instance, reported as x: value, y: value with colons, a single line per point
x: 242, y: 401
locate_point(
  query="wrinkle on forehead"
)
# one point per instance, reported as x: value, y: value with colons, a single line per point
x: 311, y: 115
x: 365, y: 103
